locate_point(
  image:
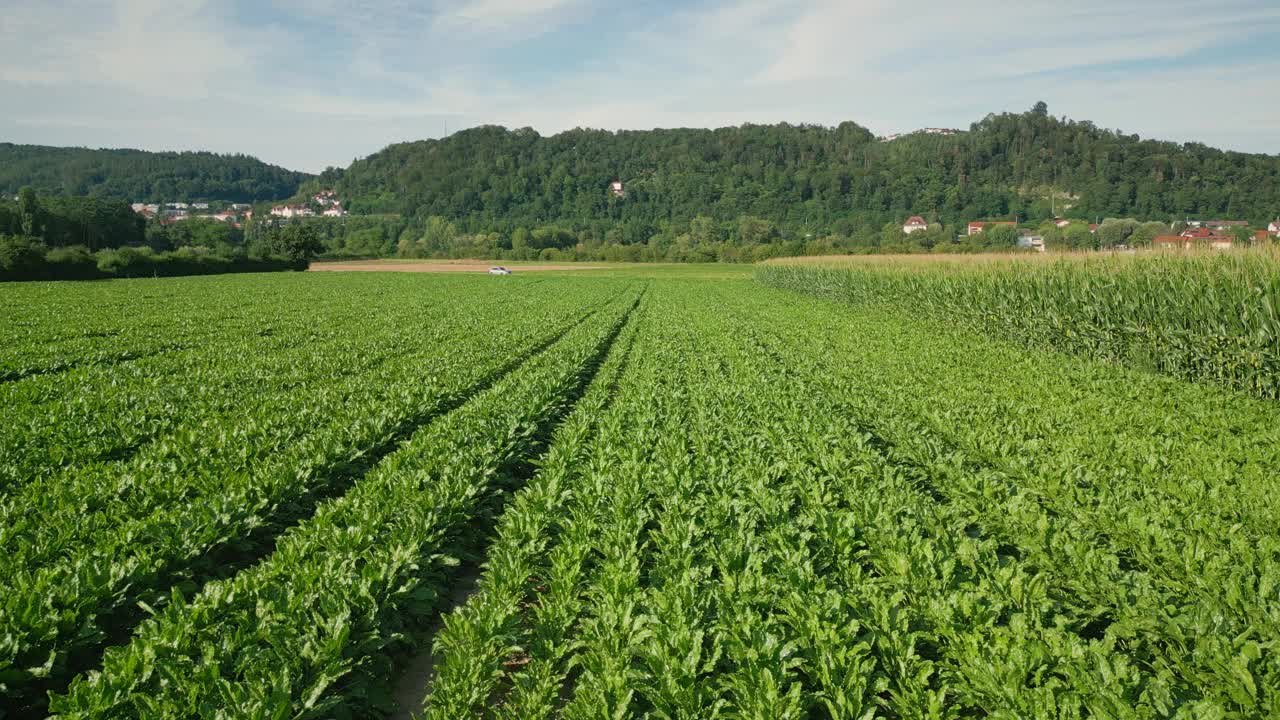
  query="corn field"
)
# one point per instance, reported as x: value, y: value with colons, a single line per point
x: 620, y: 495
x: 1210, y: 316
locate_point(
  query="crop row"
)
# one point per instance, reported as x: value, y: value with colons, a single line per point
x: 82, y: 556
x: 306, y: 632
x: 779, y: 519
x: 105, y: 412
x: 1112, y: 515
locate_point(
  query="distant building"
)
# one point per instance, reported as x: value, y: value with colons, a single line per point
x: 138, y: 207
x: 1032, y: 242
x: 922, y: 131
x: 199, y: 206
x: 335, y: 210
x: 1218, y: 224
x: 292, y: 211
x: 914, y: 223
x: 1061, y: 222
x: 1093, y: 227
x: 1274, y: 228
x: 224, y: 216
x: 1171, y: 242
x: 617, y: 189
x: 1194, y: 238
x: 978, y: 226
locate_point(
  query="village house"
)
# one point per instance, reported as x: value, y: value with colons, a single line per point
x: 1201, y: 237
x: 978, y: 226
x: 1061, y: 222
x: 292, y: 211
x: 616, y: 188
x: 1171, y: 242
x: 1199, y: 233
x: 1274, y: 228
x: 335, y: 210
x: 914, y: 224
x: 1032, y: 242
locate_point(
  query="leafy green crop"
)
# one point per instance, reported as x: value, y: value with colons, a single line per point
x: 682, y: 497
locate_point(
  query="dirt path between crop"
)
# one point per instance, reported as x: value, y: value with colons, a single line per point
x: 421, y: 267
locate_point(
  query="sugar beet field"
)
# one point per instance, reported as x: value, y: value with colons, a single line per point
x: 618, y: 494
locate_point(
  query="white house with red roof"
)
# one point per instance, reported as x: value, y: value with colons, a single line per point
x: 914, y: 223
x: 1274, y: 228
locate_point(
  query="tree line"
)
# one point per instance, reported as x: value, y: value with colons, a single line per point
x: 140, y: 176
x: 53, y: 238
x: 516, y: 190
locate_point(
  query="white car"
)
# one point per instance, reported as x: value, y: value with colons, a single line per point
x: 499, y: 270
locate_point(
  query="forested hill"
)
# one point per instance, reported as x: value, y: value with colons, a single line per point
x: 140, y: 176
x: 808, y: 178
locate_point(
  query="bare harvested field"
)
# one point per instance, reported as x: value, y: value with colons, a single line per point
x: 437, y: 267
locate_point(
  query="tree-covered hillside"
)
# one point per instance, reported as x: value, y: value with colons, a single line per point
x: 807, y: 179
x: 140, y: 176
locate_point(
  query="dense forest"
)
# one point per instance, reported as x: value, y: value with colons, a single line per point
x: 798, y: 181
x: 140, y: 176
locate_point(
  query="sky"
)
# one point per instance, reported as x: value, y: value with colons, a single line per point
x: 309, y: 84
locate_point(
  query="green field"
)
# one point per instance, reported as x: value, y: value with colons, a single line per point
x: 635, y: 492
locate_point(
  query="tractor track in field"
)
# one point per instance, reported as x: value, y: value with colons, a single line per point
x: 417, y: 670
x: 226, y: 559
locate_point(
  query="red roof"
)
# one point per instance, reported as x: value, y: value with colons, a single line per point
x: 1197, y: 233
x: 916, y: 220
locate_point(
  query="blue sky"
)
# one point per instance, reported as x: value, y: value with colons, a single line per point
x: 312, y: 83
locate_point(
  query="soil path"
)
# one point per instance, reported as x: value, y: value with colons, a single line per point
x: 375, y: 266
